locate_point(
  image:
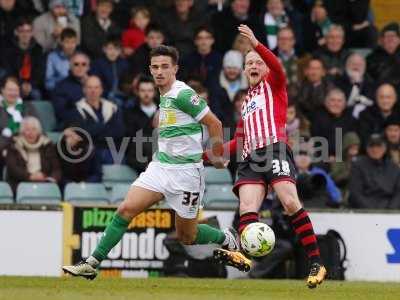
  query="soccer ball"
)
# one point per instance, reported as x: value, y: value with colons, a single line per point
x: 257, y: 239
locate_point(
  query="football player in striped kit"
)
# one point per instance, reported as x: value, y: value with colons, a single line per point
x: 267, y: 160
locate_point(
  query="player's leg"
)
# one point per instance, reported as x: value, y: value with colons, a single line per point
x: 287, y: 193
x: 251, y: 195
x: 282, y: 177
x: 251, y: 198
x: 145, y: 192
x: 185, y: 190
x: 136, y: 201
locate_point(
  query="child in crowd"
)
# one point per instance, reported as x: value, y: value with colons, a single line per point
x: 134, y: 36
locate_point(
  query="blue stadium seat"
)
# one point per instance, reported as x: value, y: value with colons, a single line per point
x: 46, y: 115
x: 6, y: 194
x: 220, y: 196
x: 118, y: 192
x: 38, y: 193
x: 54, y: 136
x: 117, y: 174
x: 86, y: 193
x: 220, y: 176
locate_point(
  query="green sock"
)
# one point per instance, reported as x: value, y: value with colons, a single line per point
x: 112, y: 235
x: 209, y: 235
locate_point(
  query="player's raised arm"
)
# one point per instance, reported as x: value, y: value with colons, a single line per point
x: 277, y: 74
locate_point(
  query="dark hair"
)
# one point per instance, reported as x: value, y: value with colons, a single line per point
x: 239, y: 94
x: 105, y: 1
x: 68, y: 33
x: 204, y: 28
x: 153, y: 28
x: 164, y: 50
x: 140, y: 9
x: 24, y: 21
x: 317, y: 59
x: 145, y: 79
x: 115, y: 41
x: 9, y: 79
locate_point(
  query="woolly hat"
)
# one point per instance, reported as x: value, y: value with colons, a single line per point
x: 234, y: 59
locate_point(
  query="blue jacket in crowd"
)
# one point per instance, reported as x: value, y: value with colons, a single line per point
x: 57, y: 68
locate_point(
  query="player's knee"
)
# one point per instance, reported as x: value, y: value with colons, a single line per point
x: 186, y: 238
x: 291, y: 203
x: 126, y: 210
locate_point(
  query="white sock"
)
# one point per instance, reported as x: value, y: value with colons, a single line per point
x: 92, y: 261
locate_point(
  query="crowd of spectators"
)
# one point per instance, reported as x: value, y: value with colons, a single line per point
x: 89, y: 59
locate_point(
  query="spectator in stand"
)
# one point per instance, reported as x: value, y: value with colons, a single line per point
x: 24, y: 59
x: 47, y: 28
x: 140, y: 61
x: 100, y: 118
x: 286, y: 53
x: 135, y: 35
x: 392, y: 136
x: 316, y: 27
x: 110, y: 69
x: 361, y: 32
x: 274, y: 19
x: 78, y: 160
x: 297, y: 126
x: 58, y: 60
x: 78, y: 8
x: 32, y: 156
x: 70, y: 90
x: 231, y: 77
x: 357, y: 85
x: 375, y: 179
x: 314, y: 88
x: 372, y: 119
x: 332, y: 54
x: 139, y: 125
x: 225, y: 24
x: 97, y: 28
x: 12, y: 110
x: 315, y: 186
x: 242, y: 44
x: 340, y: 169
x: 333, y: 116
x: 383, y: 64
x: 180, y: 23
x: 204, y: 63
x: 9, y: 14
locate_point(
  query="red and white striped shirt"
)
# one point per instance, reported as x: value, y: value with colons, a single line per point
x: 263, y: 119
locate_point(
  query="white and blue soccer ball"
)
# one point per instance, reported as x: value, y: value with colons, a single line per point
x: 257, y: 239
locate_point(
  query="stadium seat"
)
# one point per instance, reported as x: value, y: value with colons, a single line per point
x: 214, y: 176
x: 54, y: 136
x: 38, y: 193
x: 86, y: 193
x: 117, y: 174
x: 46, y: 115
x: 220, y: 196
x: 118, y: 192
x: 6, y: 195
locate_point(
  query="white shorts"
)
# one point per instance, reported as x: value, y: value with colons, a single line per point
x: 183, y: 189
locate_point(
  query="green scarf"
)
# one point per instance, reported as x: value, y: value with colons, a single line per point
x: 14, y: 114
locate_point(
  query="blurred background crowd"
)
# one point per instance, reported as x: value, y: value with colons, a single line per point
x: 68, y: 64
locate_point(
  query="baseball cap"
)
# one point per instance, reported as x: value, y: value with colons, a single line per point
x: 376, y: 140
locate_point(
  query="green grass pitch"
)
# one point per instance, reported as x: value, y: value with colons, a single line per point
x: 33, y: 288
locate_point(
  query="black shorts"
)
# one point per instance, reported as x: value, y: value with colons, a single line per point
x: 267, y: 166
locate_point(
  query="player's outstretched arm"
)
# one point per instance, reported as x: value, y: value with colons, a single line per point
x: 231, y: 147
x: 277, y: 73
x: 214, y: 127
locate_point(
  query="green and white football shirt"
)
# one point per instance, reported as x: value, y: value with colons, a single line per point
x: 180, y: 133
